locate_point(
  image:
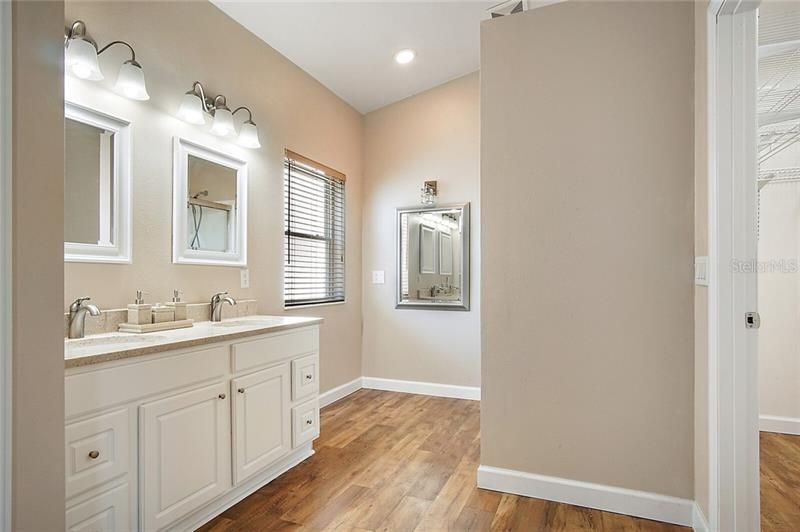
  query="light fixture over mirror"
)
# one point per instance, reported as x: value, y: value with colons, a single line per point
x: 428, y: 193
x: 80, y: 58
x: 195, y: 105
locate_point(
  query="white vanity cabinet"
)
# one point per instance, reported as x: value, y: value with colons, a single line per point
x: 184, y: 453
x: 261, y: 427
x: 168, y: 440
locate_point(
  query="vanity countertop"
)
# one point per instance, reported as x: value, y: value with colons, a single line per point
x: 106, y: 347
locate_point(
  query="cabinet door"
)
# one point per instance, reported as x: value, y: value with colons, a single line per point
x: 184, y: 453
x: 261, y: 424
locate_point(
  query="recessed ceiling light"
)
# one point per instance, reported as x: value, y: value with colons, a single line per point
x: 405, y: 56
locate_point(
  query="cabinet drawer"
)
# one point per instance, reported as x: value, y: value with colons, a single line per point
x: 305, y: 377
x: 305, y: 422
x: 96, y: 451
x: 108, y: 512
x: 274, y: 348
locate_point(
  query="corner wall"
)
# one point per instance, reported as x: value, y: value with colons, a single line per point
x: 433, y: 135
x: 37, y: 267
x: 701, y: 374
x: 587, y: 233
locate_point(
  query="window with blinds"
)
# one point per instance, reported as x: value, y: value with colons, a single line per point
x: 314, y: 268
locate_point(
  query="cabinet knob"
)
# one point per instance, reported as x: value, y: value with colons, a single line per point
x: 241, y: 390
x: 222, y: 396
x: 94, y: 454
x: 309, y: 377
x: 309, y: 422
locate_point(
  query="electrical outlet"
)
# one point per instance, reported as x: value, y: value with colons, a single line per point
x: 244, y: 278
x: 378, y: 277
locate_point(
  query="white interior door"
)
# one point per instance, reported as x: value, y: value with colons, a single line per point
x: 184, y: 453
x: 733, y: 357
x: 261, y: 420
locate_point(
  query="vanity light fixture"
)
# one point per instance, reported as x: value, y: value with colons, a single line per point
x: 428, y: 193
x: 80, y: 58
x: 195, y: 105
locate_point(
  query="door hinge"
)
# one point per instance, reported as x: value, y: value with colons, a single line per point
x: 752, y: 320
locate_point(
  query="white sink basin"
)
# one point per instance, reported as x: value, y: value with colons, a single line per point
x: 247, y: 322
x: 112, y: 341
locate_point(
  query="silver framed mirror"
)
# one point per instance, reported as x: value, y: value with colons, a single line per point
x: 433, y: 257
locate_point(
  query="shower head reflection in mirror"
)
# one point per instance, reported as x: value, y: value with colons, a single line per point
x: 209, y: 221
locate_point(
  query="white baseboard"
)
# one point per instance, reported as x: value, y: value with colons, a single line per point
x: 333, y: 395
x: 423, y: 388
x: 699, y: 522
x: 642, y: 504
x: 783, y: 425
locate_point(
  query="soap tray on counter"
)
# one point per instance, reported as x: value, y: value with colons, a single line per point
x: 155, y: 327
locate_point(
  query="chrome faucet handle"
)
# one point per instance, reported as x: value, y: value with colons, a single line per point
x: 216, y: 297
x: 78, y: 303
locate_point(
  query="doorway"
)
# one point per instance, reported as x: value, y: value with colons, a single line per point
x: 754, y: 124
x: 778, y: 236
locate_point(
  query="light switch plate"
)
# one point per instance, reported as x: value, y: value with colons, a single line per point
x: 244, y: 278
x: 701, y: 271
x: 378, y: 277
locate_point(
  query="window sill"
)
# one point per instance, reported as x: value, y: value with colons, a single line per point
x: 314, y: 305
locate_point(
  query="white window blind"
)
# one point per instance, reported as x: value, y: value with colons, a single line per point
x: 314, y: 268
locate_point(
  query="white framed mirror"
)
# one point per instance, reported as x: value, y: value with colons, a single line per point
x: 97, y: 186
x: 209, y: 219
x: 433, y: 257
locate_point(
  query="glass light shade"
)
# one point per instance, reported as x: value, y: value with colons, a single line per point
x: 191, y: 109
x: 223, y: 123
x: 130, y: 82
x: 248, y: 135
x: 81, y: 59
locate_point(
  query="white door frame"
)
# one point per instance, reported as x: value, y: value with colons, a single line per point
x: 733, y: 364
x: 5, y: 265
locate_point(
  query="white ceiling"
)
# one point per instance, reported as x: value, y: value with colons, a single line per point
x: 349, y: 46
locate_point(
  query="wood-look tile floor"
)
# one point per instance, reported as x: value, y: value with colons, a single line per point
x: 400, y: 462
x: 780, y: 482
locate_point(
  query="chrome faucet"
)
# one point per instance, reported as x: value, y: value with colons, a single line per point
x: 216, y: 304
x: 77, y: 316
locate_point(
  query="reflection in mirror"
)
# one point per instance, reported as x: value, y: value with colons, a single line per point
x: 211, y: 205
x: 209, y: 201
x: 88, y: 183
x: 96, y: 187
x: 434, y: 258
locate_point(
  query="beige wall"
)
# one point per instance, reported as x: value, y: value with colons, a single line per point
x: 434, y: 135
x: 37, y: 277
x: 291, y: 109
x: 587, y: 333
x: 701, y: 420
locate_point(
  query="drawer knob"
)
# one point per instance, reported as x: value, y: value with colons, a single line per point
x: 94, y: 454
x: 222, y: 396
x: 241, y: 390
x: 309, y: 377
x: 309, y: 422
